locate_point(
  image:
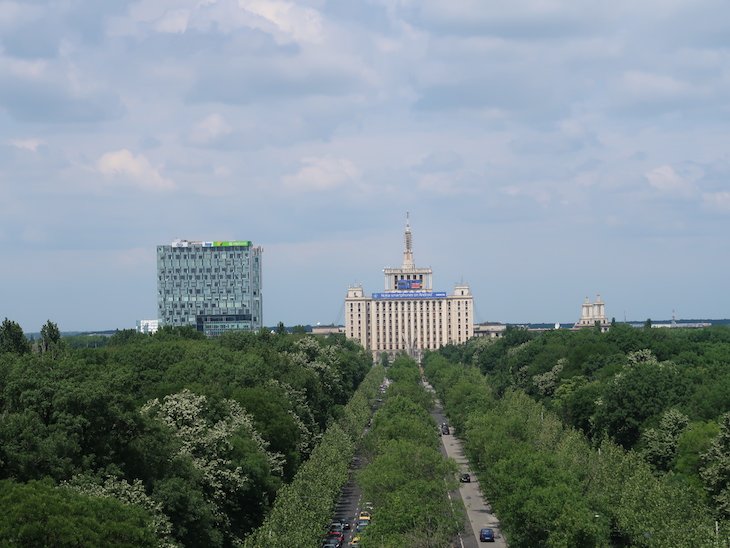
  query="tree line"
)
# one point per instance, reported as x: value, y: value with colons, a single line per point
x: 303, y: 508
x: 630, y: 426
x: 406, y: 477
x: 172, y: 438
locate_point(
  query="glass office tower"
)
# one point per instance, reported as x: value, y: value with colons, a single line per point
x: 213, y: 286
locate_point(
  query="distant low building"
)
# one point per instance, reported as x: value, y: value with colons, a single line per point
x: 489, y: 330
x: 327, y: 329
x: 148, y: 326
x: 592, y: 315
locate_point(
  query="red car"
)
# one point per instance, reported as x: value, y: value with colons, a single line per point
x: 339, y: 536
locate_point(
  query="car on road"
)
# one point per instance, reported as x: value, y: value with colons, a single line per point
x: 486, y: 534
x: 337, y: 536
x: 445, y: 429
x: 465, y: 478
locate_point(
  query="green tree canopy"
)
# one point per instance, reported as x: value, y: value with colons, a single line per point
x: 12, y: 338
x: 39, y: 514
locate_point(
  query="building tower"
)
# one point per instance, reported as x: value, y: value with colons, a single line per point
x: 212, y: 286
x: 408, y: 316
x: 592, y: 315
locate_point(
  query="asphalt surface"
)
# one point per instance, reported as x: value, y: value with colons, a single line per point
x: 478, y: 511
x: 350, y: 503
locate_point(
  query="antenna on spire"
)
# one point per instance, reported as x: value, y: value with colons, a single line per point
x: 408, y: 251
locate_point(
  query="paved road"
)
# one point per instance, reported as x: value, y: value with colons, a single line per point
x: 478, y: 511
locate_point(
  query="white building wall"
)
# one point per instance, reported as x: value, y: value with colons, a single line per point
x: 401, y: 322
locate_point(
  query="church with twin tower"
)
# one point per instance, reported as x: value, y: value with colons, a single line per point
x: 408, y: 316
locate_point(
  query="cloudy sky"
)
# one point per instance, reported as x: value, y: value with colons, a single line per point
x: 546, y: 150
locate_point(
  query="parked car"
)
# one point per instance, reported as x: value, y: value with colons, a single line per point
x: 465, y: 478
x: 361, y: 525
x: 331, y: 543
x: 486, y: 534
x: 364, y: 516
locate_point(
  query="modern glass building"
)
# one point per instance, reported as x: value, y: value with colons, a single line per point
x: 213, y: 286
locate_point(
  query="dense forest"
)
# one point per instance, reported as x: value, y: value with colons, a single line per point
x: 578, y: 438
x: 632, y: 426
x: 167, y: 439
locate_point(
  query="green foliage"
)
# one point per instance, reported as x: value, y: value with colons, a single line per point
x: 12, y: 338
x: 550, y: 487
x: 407, y: 478
x: 304, y: 507
x: 660, y: 444
x: 694, y: 441
x: 218, y: 417
x: 39, y: 514
x: 640, y: 393
x: 619, y: 383
x: 715, y: 470
x: 50, y: 338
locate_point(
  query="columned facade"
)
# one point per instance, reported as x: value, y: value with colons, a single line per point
x: 593, y: 314
x: 408, y: 316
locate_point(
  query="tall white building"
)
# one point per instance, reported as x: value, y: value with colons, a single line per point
x: 408, y: 316
x: 593, y: 314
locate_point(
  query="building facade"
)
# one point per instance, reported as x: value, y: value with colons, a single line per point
x: 408, y: 316
x: 148, y: 327
x: 592, y: 315
x: 212, y: 286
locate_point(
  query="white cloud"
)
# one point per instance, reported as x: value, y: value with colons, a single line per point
x: 30, y: 69
x: 666, y: 180
x: 26, y: 144
x: 301, y: 23
x: 539, y: 195
x: 717, y: 200
x: 321, y: 173
x: 173, y: 22
x: 284, y: 20
x: 646, y: 84
x: 17, y: 12
x: 209, y: 129
x: 440, y: 183
x: 135, y: 169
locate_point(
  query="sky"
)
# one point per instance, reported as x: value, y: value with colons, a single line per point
x: 546, y: 151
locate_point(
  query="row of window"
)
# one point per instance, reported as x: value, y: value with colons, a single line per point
x: 206, y: 255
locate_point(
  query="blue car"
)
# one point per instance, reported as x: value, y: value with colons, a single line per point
x: 486, y: 535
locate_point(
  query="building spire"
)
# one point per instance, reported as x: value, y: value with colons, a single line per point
x: 408, y: 252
